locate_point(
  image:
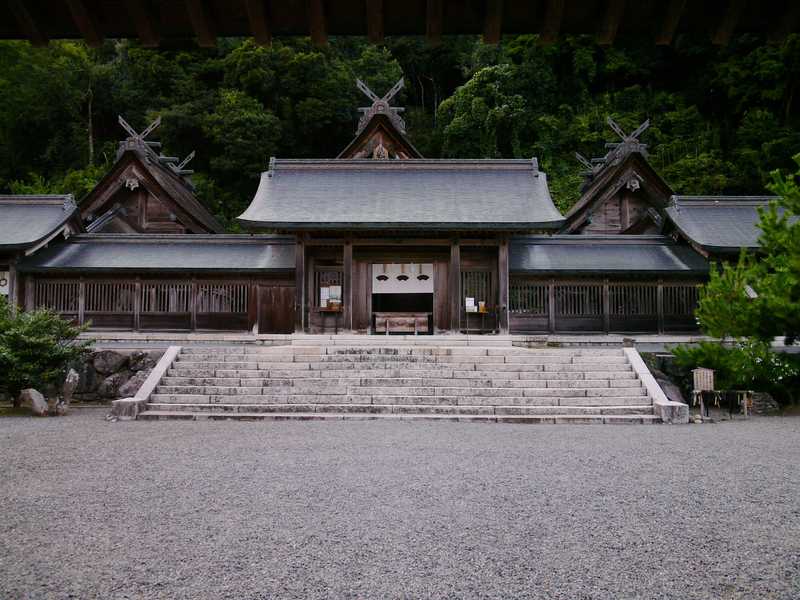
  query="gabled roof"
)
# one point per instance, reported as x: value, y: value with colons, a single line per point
x: 598, y: 254
x: 26, y: 221
x: 146, y: 253
x: 380, y: 123
x: 508, y: 195
x: 718, y: 224
x: 163, y: 182
x: 610, y: 179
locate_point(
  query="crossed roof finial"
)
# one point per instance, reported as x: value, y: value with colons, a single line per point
x: 381, y: 106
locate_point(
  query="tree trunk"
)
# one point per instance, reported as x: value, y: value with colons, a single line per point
x: 91, y: 129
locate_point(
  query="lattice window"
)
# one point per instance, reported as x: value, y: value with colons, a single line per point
x: 60, y: 296
x: 529, y: 297
x: 477, y: 285
x: 680, y: 300
x: 166, y: 297
x: 222, y: 298
x: 109, y: 297
x: 630, y: 300
x: 579, y: 300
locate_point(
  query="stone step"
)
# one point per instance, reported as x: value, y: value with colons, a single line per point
x: 371, y: 351
x: 391, y: 373
x: 209, y: 366
x: 332, y: 416
x: 365, y: 390
x: 477, y: 382
x: 448, y: 341
x: 331, y: 398
x: 408, y: 408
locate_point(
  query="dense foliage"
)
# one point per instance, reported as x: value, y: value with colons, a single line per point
x: 36, y: 349
x: 744, y: 365
x: 759, y: 296
x: 723, y: 118
x: 753, y: 301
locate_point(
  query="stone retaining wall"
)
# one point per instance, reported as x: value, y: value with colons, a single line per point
x: 112, y: 374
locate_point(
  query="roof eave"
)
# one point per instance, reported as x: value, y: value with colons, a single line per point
x: 429, y: 226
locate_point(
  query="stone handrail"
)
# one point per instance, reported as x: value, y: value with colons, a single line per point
x: 129, y: 408
x: 669, y: 411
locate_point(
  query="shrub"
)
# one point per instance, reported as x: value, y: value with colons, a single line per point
x: 36, y: 349
x: 745, y: 365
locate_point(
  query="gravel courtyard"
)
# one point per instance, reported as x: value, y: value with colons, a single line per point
x: 384, y: 510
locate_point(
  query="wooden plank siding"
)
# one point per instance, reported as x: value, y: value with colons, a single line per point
x: 551, y: 305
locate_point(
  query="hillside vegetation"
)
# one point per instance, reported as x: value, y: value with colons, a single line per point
x: 722, y: 118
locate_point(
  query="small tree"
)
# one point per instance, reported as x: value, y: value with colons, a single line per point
x: 36, y: 348
x: 728, y: 309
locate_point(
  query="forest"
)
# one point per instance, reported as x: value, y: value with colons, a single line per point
x: 722, y: 118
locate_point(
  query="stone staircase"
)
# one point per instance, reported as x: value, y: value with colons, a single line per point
x: 383, y: 380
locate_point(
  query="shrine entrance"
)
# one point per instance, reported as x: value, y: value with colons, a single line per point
x: 417, y: 287
x: 402, y: 298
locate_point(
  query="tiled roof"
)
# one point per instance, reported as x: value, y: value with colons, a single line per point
x: 27, y: 220
x: 509, y: 195
x: 596, y: 254
x: 142, y: 253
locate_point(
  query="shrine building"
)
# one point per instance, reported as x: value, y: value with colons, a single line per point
x: 378, y: 240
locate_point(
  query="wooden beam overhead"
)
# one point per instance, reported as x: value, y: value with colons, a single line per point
x: 144, y: 21
x: 551, y: 25
x: 201, y: 23
x: 609, y: 24
x: 434, y: 15
x: 724, y: 31
x: 669, y: 24
x: 375, y: 21
x: 85, y: 22
x: 27, y: 23
x: 787, y: 23
x: 259, y: 23
x: 493, y: 23
x: 316, y: 23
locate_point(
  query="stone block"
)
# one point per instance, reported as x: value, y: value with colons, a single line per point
x: 107, y: 362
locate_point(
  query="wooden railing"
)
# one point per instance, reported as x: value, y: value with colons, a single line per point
x: 148, y: 304
x: 537, y: 305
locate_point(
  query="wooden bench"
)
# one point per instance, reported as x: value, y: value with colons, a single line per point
x: 402, y: 322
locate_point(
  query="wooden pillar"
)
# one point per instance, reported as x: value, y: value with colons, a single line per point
x: 502, y: 282
x: 300, y: 287
x: 13, y: 287
x: 551, y: 305
x: 347, y: 285
x: 30, y: 286
x: 455, y: 286
x: 137, y: 305
x: 253, y: 306
x: 81, y: 301
x: 606, y: 307
x: 193, y: 304
x: 660, y: 305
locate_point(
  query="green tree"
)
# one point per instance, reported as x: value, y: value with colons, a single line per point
x: 36, y: 349
x: 760, y: 295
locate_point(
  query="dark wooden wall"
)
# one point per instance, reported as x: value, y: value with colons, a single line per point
x: 601, y: 305
x: 178, y: 302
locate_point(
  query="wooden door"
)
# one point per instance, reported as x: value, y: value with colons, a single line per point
x: 276, y: 309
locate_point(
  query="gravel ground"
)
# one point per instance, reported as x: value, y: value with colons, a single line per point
x: 384, y: 510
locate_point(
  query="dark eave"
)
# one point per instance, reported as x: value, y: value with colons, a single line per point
x: 174, y: 253
x: 157, y: 22
x: 604, y: 254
